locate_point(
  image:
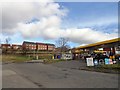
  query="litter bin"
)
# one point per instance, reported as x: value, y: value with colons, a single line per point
x: 58, y: 56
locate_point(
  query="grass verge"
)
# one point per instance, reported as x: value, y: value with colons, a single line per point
x: 112, y: 68
x: 15, y: 58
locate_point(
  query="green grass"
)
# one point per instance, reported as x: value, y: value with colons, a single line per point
x: 21, y: 58
x: 111, y: 68
x: 15, y: 58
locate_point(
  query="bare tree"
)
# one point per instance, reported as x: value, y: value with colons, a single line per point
x: 7, y: 40
x: 62, y: 44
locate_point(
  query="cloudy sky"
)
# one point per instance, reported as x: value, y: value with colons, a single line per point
x: 81, y: 22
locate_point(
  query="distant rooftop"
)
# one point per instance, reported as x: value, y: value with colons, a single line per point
x: 29, y: 42
x: 38, y: 43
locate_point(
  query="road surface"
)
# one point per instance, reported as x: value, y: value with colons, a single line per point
x: 58, y: 75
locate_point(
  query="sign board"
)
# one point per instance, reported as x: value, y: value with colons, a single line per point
x: 90, y: 62
x: 107, y: 61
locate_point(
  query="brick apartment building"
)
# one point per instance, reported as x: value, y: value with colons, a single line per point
x: 16, y: 47
x: 38, y: 46
x: 32, y: 46
x: 29, y: 45
x: 50, y: 47
x: 5, y: 46
x: 41, y: 46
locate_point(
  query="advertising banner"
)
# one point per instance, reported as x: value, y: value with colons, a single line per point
x: 90, y: 62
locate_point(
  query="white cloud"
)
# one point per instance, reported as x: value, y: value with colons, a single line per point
x: 26, y: 1
x: 81, y: 36
x: 87, y: 35
x: 14, y: 12
x: 49, y: 15
x: 43, y: 28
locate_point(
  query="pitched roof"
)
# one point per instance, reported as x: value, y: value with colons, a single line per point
x: 5, y: 44
x: 50, y: 44
x: 41, y: 43
x: 38, y: 43
x: 16, y: 45
x: 29, y: 42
